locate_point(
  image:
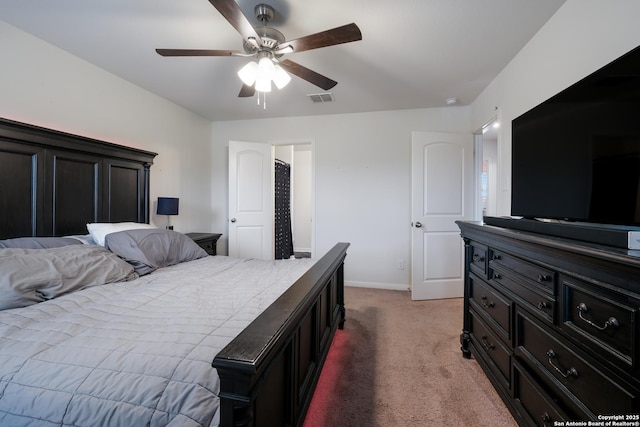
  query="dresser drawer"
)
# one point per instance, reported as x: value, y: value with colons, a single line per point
x: 493, y: 304
x: 478, y: 260
x: 566, y: 369
x: 535, y: 299
x: 602, y: 318
x: 493, y: 351
x: 541, y: 410
x: 540, y: 277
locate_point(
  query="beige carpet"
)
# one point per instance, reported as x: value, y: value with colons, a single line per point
x: 398, y: 363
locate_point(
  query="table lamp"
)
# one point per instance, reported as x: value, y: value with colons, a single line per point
x: 168, y: 206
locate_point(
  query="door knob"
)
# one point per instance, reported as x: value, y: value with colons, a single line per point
x: 418, y: 224
x: 233, y: 220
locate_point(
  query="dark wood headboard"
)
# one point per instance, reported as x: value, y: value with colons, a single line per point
x: 53, y: 183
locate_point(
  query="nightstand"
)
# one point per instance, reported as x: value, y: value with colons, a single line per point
x: 206, y: 241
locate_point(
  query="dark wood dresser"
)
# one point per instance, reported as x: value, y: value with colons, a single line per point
x: 554, y: 324
x: 207, y: 241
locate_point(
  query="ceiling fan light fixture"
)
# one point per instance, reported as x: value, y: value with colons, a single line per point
x: 262, y: 73
x: 249, y: 73
x: 263, y: 83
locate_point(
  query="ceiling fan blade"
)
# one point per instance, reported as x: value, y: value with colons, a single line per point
x: 308, y: 75
x: 345, y: 34
x: 199, y: 52
x: 233, y: 14
x: 247, y: 91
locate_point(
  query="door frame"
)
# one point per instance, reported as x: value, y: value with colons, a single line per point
x: 271, y: 144
x: 478, y: 140
x: 311, y: 143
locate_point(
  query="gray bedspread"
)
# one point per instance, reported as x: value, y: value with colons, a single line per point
x: 133, y: 353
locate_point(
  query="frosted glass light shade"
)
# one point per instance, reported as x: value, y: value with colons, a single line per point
x: 249, y: 73
x: 265, y: 67
x: 280, y: 77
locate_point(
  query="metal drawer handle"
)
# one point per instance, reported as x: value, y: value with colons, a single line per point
x: 478, y: 258
x: 543, y: 278
x: 542, y: 305
x: 485, y: 303
x: 565, y: 373
x: 612, y: 321
x: 496, y: 256
x: 496, y: 275
x: 487, y: 345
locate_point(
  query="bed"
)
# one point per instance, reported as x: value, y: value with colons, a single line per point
x: 252, y: 357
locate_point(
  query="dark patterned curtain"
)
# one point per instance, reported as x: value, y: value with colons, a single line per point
x: 282, y: 233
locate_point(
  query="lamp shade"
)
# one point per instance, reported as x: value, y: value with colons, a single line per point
x: 168, y: 206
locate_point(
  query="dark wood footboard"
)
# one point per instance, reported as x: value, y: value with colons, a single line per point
x: 268, y: 373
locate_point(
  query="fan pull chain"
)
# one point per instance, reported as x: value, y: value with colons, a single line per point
x: 264, y: 99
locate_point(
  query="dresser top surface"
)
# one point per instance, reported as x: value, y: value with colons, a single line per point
x: 476, y: 229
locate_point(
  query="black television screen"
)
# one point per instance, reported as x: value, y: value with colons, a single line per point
x: 576, y: 156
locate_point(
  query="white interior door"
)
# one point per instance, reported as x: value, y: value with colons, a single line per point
x: 250, y: 200
x: 442, y: 193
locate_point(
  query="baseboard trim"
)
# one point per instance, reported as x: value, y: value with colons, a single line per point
x: 373, y: 285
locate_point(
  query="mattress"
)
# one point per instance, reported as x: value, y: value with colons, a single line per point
x: 133, y: 353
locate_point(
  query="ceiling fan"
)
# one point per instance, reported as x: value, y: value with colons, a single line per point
x: 268, y: 45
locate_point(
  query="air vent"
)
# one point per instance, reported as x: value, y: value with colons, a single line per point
x: 321, y: 97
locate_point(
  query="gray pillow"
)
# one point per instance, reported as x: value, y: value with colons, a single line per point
x: 150, y: 249
x: 38, y: 242
x: 30, y: 276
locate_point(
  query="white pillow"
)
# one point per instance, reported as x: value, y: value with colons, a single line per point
x: 99, y: 230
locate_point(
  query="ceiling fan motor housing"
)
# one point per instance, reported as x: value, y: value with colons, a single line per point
x: 264, y: 13
x: 270, y: 37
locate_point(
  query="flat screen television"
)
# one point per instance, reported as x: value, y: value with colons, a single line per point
x: 576, y: 156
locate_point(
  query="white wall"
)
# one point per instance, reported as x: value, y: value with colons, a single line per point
x: 45, y: 86
x: 362, y: 181
x: 581, y: 37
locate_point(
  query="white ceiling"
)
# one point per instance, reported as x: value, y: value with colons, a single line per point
x: 413, y: 53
